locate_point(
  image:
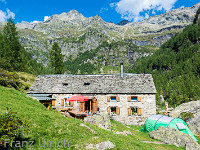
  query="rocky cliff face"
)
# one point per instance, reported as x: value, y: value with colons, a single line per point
x: 76, y: 33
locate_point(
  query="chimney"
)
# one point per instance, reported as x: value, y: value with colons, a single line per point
x: 122, y: 70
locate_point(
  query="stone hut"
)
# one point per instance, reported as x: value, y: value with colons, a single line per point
x: 129, y: 99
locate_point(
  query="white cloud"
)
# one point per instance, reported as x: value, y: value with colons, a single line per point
x: 103, y: 9
x: 35, y: 21
x: 6, y: 15
x: 132, y: 9
x: 112, y: 4
x: 46, y: 18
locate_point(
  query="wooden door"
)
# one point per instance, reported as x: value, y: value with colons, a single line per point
x: 94, y: 106
x: 53, y: 102
x: 81, y: 106
x: 62, y: 102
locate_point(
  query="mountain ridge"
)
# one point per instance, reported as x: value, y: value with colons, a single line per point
x: 76, y: 33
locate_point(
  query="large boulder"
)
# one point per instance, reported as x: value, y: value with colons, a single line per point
x: 105, y: 145
x: 190, y: 112
x: 101, y: 146
x: 175, y: 137
x: 102, y: 120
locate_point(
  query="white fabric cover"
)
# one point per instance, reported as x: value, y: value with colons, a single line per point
x: 155, y: 117
x: 180, y: 126
x: 166, y: 119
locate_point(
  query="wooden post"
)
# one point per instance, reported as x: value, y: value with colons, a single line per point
x: 90, y: 105
x: 83, y: 106
x: 166, y: 103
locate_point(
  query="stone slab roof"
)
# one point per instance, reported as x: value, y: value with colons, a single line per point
x: 94, y: 84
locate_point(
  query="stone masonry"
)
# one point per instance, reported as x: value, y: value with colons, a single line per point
x: 100, y: 87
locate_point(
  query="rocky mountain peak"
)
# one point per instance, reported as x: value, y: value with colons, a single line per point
x: 71, y: 15
x: 123, y: 22
x: 196, y: 6
x: 96, y: 18
x: 73, y: 11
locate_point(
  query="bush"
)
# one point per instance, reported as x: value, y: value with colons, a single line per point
x: 186, y: 115
x: 12, y: 127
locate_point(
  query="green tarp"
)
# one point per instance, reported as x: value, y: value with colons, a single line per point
x: 155, y: 121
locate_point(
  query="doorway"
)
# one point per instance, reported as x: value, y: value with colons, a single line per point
x: 88, y: 105
x: 46, y: 103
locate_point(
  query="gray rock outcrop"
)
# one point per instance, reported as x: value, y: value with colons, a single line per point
x: 193, y: 110
x: 101, y: 146
x: 175, y: 137
x: 105, y: 145
x: 83, y: 125
x: 161, y: 98
x: 102, y: 120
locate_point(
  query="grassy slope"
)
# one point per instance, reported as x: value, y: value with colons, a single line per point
x: 18, y: 80
x: 45, y: 124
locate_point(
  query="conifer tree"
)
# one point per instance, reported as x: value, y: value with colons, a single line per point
x: 56, y: 59
x: 12, y: 45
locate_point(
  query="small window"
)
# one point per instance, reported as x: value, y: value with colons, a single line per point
x: 113, y: 110
x: 134, y: 98
x: 65, y: 84
x: 113, y: 98
x: 87, y: 83
x: 134, y: 111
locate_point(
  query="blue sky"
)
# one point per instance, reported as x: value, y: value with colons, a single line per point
x: 109, y: 10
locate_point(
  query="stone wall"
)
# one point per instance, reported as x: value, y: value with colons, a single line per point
x: 147, y: 105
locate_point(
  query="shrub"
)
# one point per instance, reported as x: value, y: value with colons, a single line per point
x: 12, y: 127
x: 186, y: 115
